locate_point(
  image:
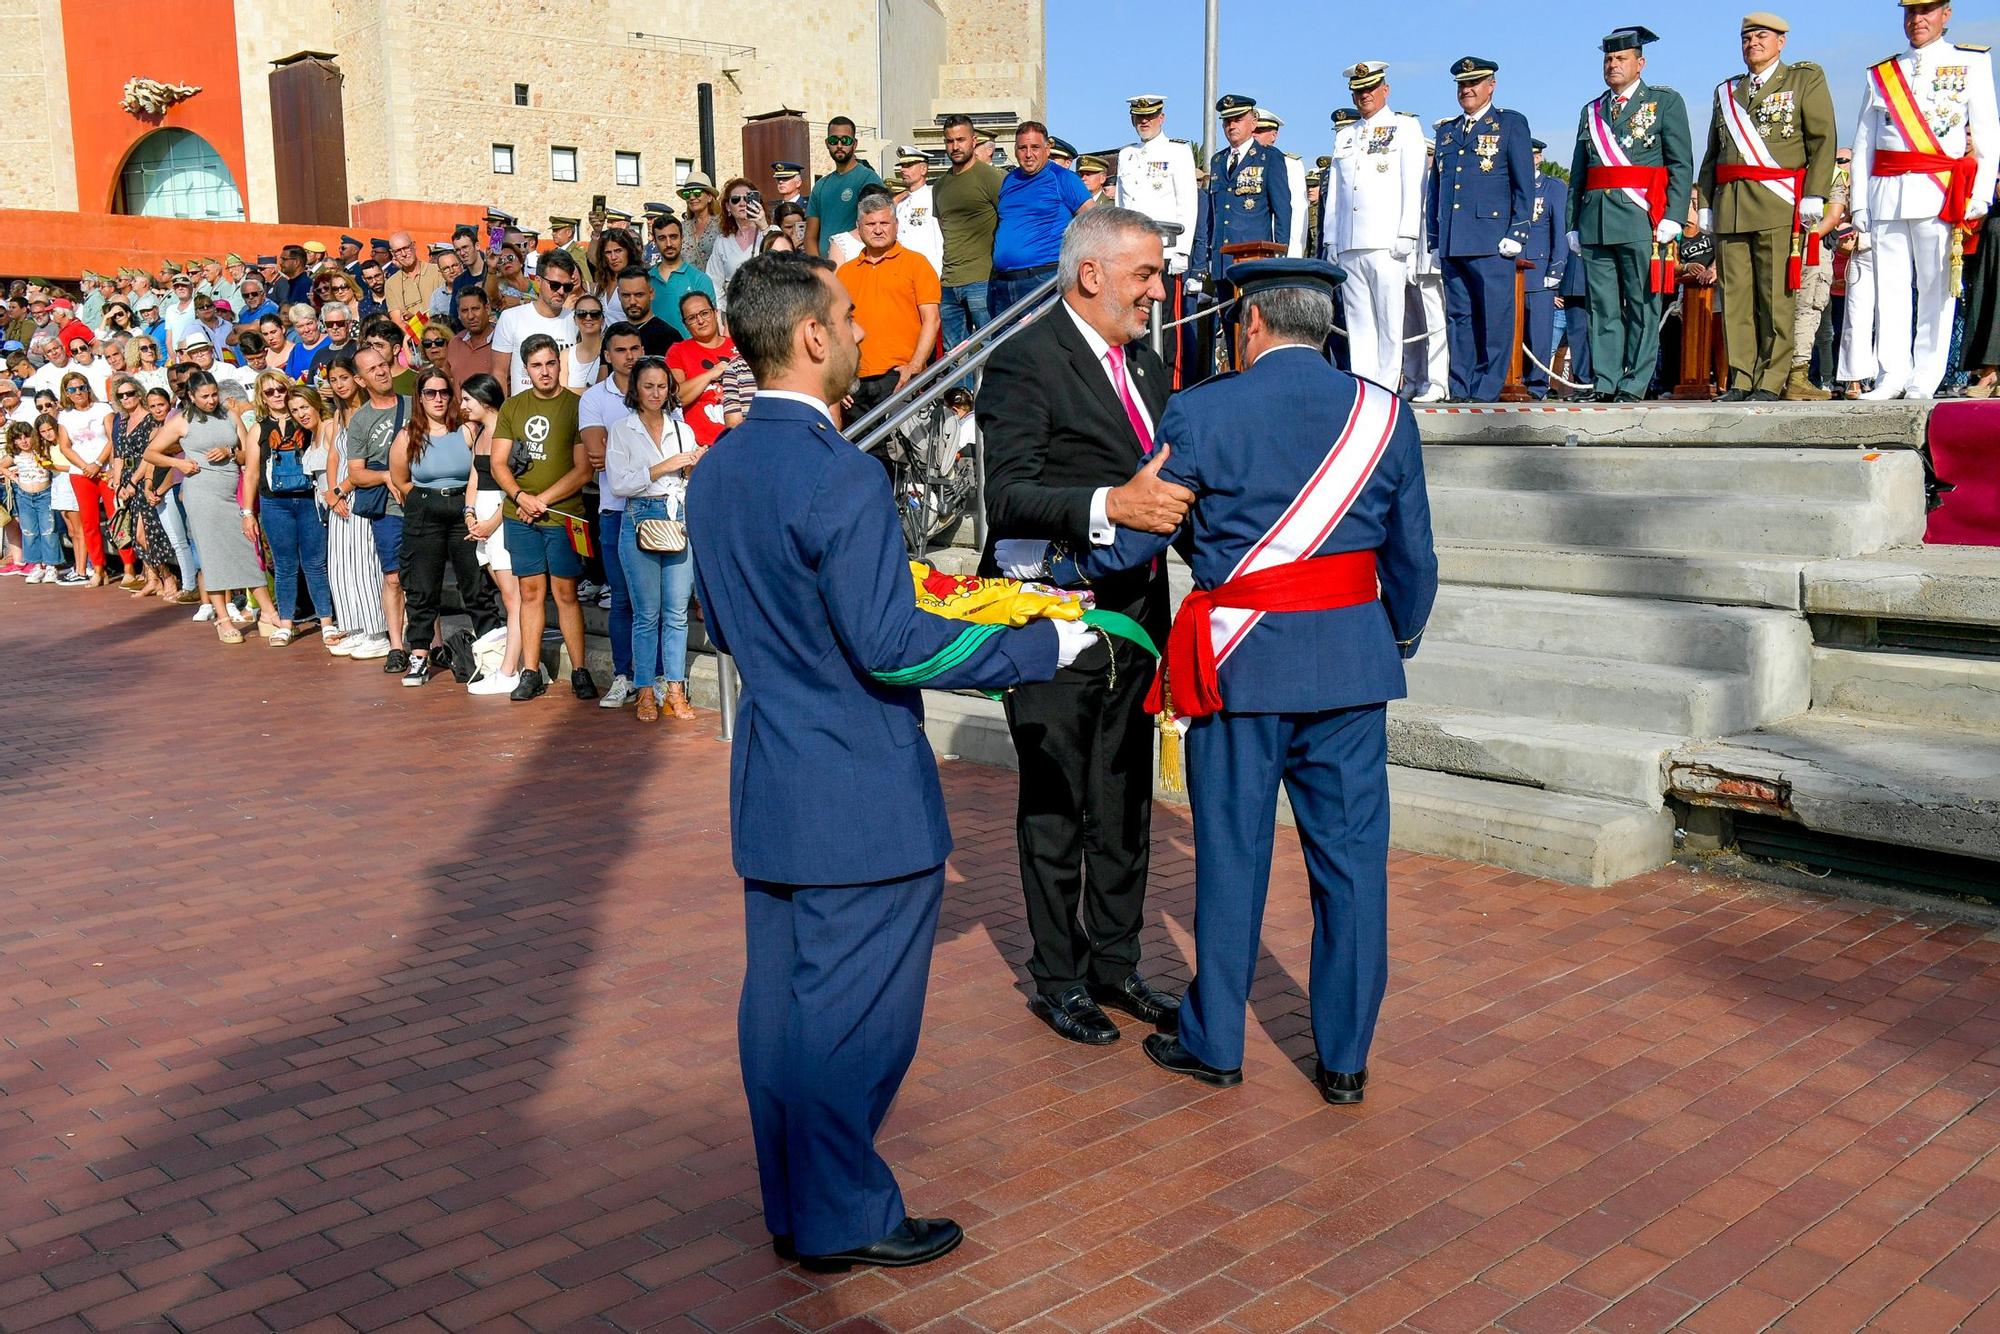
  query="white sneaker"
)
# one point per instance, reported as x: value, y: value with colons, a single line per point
x: 620, y: 694
x: 494, y: 685
x: 374, y: 646
x: 344, y: 646
x: 205, y: 612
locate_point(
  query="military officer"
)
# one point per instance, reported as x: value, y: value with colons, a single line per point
x: 1482, y: 193
x: 1924, y: 157
x: 916, y: 213
x: 1374, y: 220
x: 1248, y: 197
x: 562, y: 231
x: 1764, y: 180
x: 1063, y: 153
x: 789, y: 178
x: 1268, y: 125
x: 1156, y: 178
x: 1315, y: 201
x: 1427, y: 360
x: 1630, y: 178
x: 1549, y: 253
x: 1312, y: 544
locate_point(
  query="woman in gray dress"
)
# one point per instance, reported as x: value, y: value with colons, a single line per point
x: 201, y: 444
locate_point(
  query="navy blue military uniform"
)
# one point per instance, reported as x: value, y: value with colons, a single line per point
x: 1304, y: 692
x: 1549, y: 253
x: 1248, y: 197
x: 837, y: 824
x: 1481, y: 197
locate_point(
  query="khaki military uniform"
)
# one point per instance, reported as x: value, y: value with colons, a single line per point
x: 1791, y: 112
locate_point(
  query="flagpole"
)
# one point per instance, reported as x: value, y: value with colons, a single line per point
x: 1208, y: 93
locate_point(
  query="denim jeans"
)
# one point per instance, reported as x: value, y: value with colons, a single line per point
x: 298, y: 544
x: 38, y: 526
x: 174, y: 520
x: 1004, y: 292
x: 610, y: 541
x: 661, y: 584
x: 962, y: 312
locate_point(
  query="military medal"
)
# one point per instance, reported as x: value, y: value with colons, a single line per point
x: 1487, y: 147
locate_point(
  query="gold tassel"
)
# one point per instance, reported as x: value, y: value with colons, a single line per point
x: 1173, y: 773
x: 1957, y: 262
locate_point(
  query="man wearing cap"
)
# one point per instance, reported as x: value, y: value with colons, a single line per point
x: 1630, y: 178
x: 1549, y: 253
x: 1269, y: 123
x: 1315, y: 201
x: 1062, y: 152
x: 789, y: 179
x: 1248, y: 197
x: 179, y: 314
x: 562, y: 235
x: 916, y: 211
x: 91, y: 309
x: 379, y: 250
x: 1924, y: 162
x: 1373, y: 220
x: 1764, y: 180
x: 1095, y: 173
x: 1481, y: 198
x: 1156, y: 176
x: 1311, y: 544
x: 350, y: 255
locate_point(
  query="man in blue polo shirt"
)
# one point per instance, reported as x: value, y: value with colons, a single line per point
x: 1037, y: 200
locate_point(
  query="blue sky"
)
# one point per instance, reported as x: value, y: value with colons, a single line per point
x: 1289, y: 54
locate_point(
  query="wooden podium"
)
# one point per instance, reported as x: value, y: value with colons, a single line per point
x: 1233, y: 347
x: 1704, y: 354
x: 1516, y: 389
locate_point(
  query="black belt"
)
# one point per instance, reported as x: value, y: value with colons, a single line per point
x: 441, y: 490
x: 1013, y: 275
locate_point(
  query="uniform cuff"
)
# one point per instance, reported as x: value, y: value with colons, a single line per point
x: 1102, y: 534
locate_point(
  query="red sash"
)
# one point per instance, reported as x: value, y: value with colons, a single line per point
x: 1727, y: 172
x: 1957, y: 171
x: 1926, y: 155
x: 1320, y: 583
x: 1652, y: 183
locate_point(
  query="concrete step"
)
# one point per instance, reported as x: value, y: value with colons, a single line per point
x: 1693, y: 427
x: 1580, y: 839
x: 1753, y: 524
x: 1610, y: 762
x: 1805, y: 474
x: 1733, y: 578
x: 1687, y: 634
x: 1603, y: 692
x: 1947, y: 585
x: 1868, y: 778
x: 1934, y: 689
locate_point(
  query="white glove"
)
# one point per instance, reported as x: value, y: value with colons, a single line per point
x: 1552, y: 281
x: 1704, y: 221
x: 1402, y: 248
x: 1194, y: 286
x: 1509, y: 247
x: 1975, y: 211
x: 1811, y: 209
x: 1860, y: 221
x: 1666, y: 231
x: 1575, y: 243
x: 1437, y: 261
x: 1863, y: 243
x: 1021, y: 557
x: 1072, y: 638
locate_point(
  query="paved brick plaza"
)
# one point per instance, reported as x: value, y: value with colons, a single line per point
x: 330, y: 1003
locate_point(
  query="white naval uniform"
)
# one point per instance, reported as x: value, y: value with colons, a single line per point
x: 1427, y: 364
x: 1953, y: 86
x: 917, y: 226
x: 1295, y: 176
x: 1156, y: 177
x: 1372, y: 223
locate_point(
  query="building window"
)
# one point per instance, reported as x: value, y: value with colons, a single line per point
x: 625, y: 168
x: 503, y: 159
x: 562, y: 164
x: 520, y: 94
x: 175, y: 173
x: 683, y: 168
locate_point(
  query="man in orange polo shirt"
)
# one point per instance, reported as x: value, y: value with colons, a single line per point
x: 896, y: 295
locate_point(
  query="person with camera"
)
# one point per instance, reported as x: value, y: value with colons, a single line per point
x: 743, y: 228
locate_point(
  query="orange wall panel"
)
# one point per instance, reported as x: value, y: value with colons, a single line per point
x: 106, y: 43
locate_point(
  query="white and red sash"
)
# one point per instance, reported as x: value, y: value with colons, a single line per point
x: 1319, y: 507
x: 1611, y: 154
x: 1750, y: 145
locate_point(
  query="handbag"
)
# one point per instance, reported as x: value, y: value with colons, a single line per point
x: 372, y: 502
x: 665, y: 536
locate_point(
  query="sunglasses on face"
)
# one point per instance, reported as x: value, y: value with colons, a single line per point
x: 78, y: 389
x: 589, y: 314
x: 124, y: 394
x: 555, y: 286
x: 436, y: 342
x: 435, y: 393
x: 692, y: 194
x: 274, y: 392
x: 839, y: 140
x: 739, y: 199
x: 338, y: 324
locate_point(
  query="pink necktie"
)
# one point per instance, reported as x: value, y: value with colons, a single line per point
x: 1116, y: 356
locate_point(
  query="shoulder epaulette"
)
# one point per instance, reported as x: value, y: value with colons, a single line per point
x: 1663, y: 88
x: 1976, y: 48
x: 1410, y: 115
x: 1188, y: 142
x: 1293, y: 156
x: 1443, y: 121
x: 1807, y: 64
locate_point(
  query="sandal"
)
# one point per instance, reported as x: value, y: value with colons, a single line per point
x: 228, y: 633
x: 281, y: 636
x: 266, y: 628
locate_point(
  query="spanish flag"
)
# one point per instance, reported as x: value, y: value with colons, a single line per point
x: 581, y: 539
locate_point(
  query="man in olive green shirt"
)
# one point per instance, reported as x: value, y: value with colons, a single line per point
x: 1774, y: 117
x: 543, y: 503
x: 966, y: 200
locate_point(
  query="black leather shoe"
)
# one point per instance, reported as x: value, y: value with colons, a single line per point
x: 1591, y: 396
x: 781, y: 1242
x: 581, y: 685
x: 1166, y: 1051
x: 1074, y: 1015
x: 1732, y: 396
x: 1623, y: 397
x: 1339, y: 1089
x: 1762, y: 396
x: 917, y: 1241
x: 1140, y: 999
x: 529, y: 686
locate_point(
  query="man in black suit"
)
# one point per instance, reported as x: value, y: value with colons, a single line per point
x: 1067, y: 410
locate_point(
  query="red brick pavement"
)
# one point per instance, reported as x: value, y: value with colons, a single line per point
x: 332, y: 1004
